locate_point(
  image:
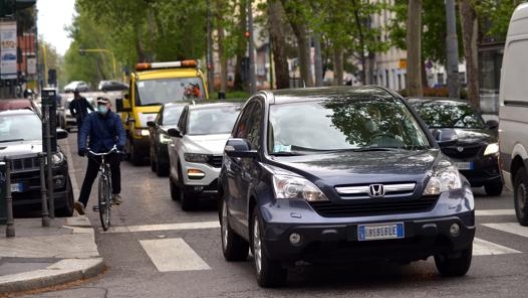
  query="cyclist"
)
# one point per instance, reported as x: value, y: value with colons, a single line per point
x: 104, y: 130
x: 79, y: 107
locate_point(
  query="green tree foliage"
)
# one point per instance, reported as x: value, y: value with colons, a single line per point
x: 494, y: 16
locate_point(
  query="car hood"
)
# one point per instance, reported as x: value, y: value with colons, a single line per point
x: 210, y: 144
x: 363, y: 167
x: 20, y: 147
x: 475, y: 136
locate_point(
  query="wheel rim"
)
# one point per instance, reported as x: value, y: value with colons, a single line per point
x: 224, y: 225
x: 521, y: 197
x: 257, y: 246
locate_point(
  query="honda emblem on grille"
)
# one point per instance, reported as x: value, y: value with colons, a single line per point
x: 460, y: 149
x: 376, y: 191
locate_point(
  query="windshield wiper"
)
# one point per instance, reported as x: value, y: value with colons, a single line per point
x: 367, y: 149
x: 11, y: 140
x: 151, y: 104
x: 286, y: 153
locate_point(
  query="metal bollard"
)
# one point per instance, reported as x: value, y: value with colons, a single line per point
x: 10, y: 225
x: 45, y: 213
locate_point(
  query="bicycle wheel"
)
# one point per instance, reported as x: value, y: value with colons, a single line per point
x: 104, y: 201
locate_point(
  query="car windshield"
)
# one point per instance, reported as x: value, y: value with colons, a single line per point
x: 171, y: 114
x: 20, y: 128
x: 448, y: 115
x: 217, y: 120
x: 342, y: 124
x: 160, y: 91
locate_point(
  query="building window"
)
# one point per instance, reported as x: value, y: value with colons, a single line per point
x: 399, y: 82
x: 387, y: 83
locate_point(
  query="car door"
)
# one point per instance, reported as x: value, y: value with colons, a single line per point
x: 175, y: 143
x: 241, y: 170
x: 154, y: 133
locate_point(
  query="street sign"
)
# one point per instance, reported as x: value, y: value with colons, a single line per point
x: 8, y: 50
x: 31, y: 66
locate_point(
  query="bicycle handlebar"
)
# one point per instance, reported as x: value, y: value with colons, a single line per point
x: 114, y: 149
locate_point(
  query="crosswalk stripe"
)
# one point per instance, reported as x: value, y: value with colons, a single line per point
x: 509, y: 227
x: 166, y: 227
x: 173, y: 255
x: 495, y: 212
x: 483, y: 248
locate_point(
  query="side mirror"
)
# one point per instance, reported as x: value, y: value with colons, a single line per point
x: 151, y: 124
x: 239, y: 148
x: 492, y: 124
x: 61, y: 134
x: 445, y: 137
x: 173, y: 132
x: 127, y: 96
x: 120, y: 106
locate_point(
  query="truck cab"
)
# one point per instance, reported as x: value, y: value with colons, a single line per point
x: 152, y: 85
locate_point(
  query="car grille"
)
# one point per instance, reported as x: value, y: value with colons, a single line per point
x: 215, y: 161
x: 27, y: 164
x: 466, y: 152
x: 373, y: 207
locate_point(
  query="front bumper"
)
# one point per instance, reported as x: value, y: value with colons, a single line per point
x: 26, y: 190
x: 163, y: 154
x: 338, y: 243
x: 481, y: 170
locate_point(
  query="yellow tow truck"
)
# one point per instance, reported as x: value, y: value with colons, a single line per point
x: 151, y: 86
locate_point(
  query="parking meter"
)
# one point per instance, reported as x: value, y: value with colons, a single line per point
x: 49, y: 115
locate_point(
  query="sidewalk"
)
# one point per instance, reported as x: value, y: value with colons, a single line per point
x: 39, y: 257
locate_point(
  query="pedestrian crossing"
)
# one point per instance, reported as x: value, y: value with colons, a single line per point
x: 176, y: 255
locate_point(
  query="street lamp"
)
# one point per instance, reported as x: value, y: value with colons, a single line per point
x: 84, y: 51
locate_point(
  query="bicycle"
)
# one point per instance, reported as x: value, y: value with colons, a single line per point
x: 104, y: 188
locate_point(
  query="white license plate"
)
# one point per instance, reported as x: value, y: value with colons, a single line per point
x: 464, y: 165
x: 16, y: 187
x: 381, y: 231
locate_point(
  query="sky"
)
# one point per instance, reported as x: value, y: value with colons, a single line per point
x: 53, y: 16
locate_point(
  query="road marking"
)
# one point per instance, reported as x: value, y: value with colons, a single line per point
x: 484, y: 248
x: 173, y: 255
x: 494, y: 212
x: 509, y: 227
x: 166, y: 227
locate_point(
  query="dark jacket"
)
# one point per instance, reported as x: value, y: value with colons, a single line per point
x: 104, y: 131
x: 79, y: 108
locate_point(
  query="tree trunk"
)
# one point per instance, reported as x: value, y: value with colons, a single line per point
x: 276, y: 18
x: 453, y: 78
x: 221, y: 50
x: 361, y: 38
x: 414, y: 48
x: 338, y: 67
x: 318, y: 62
x: 469, y: 22
x: 241, y: 45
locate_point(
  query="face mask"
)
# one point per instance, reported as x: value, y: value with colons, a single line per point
x: 102, y: 109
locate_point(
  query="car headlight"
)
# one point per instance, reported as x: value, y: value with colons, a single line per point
x: 57, y: 158
x: 164, y: 139
x: 142, y: 132
x: 196, y: 157
x: 443, y: 179
x: 294, y: 187
x: 491, y: 149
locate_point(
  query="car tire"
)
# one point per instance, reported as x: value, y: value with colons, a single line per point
x: 234, y: 247
x: 188, y: 199
x: 135, y: 158
x: 520, y: 196
x: 269, y: 273
x: 174, y: 190
x: 493, y: 189
x: 67, y: 210
x: 454, y: 266
x: 161, y: 170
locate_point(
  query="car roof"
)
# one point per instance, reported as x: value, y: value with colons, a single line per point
x: 17, y: 112
x: 284, y: 96
x: 436, y: 100
x: 16, y: 103
x: 211, y: 105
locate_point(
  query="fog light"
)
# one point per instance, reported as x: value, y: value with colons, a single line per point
x: 59, y: 181
x: 454, y: 230
x: 295, y: 238
x: 195, y: 174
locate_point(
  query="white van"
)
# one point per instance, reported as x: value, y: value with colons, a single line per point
x: 513, y: 111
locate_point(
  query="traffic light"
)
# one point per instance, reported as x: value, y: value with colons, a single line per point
x: 7, y: 7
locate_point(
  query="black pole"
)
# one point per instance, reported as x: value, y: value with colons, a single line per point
x: 45, y: 213
x: 48, y: 157
x: 10, y: 224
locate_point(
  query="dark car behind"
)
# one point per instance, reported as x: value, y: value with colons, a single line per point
x: 338, y: 175
x: 474, y: 147
x: 21, y: 140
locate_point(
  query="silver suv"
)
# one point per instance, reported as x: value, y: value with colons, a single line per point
x: 196, y: 150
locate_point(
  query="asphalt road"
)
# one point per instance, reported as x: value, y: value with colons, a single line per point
x: 157, y: 250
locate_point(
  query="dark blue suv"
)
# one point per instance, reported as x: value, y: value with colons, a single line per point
x: 340, y: 174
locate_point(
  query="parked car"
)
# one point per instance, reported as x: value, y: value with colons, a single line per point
x: 76, y: 85
x: 112, y: 86
x: 196, y: 150
x: 66, y: 119
x: 513, y: 111
x: 166, y: 119
x: 21, y: 140
x: 314, y: 174
x: 20, y: 103
x: 474, y: 147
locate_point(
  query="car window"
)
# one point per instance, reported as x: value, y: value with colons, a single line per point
x: 217, y: 120
x: 20, y: 127
x: 171, y: 115
x: 250, y: 128
x: 160, y: 91
x: 446, y: 115
x: 342, y: 124
x: 243, y: 122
